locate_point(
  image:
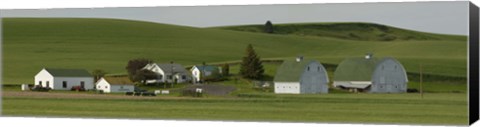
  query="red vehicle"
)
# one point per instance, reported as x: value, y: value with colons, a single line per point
x: 78, y: 88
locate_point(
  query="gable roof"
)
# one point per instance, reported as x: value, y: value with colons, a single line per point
x: 118, y: 80
x: 355, y: 69
x: 207, y: 67
x: 68, y: 72
x: 172, y: 68
x: 291, y: 70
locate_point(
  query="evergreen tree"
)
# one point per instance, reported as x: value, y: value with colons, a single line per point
x: 268, y: 27
x: 251, y: 66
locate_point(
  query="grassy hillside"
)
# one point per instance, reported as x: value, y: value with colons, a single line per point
x: 350, y: 31
x: 33, y: 43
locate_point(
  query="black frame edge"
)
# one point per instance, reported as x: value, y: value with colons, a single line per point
x: 473, y: 63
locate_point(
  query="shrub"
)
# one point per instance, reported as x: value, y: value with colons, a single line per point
x: 39, y: 88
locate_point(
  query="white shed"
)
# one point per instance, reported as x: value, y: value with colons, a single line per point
x: 115, y: 84
x: 204, y: 71
x: 64, y: 79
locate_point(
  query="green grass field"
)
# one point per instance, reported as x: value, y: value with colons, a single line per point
x: 33, y: 43
x: 435, y: 108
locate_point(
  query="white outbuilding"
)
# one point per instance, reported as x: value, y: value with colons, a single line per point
x: 200, y: 72
x: 64, y: 79
x: 115, y: 84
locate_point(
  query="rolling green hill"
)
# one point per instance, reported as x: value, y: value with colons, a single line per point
x: 30, y: 44
x: 347, y: 30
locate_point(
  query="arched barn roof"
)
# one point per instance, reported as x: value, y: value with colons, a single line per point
x: 359, y: 69
x: 291, y: 70
x: 355, y: 69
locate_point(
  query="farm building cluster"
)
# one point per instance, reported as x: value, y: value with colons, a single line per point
x: 299, y: 76
x: 367, y: 74
x: 68, y: 79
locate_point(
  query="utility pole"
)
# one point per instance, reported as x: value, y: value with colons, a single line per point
x: 203, y: 72
x: 172, y: 74
x: 421, y: 81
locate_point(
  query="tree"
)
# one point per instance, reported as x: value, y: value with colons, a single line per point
x: 97, y: 74
x: 134, y: 66
x: 225, y: 69
x: 268, y: 28
x: 144, y: 75
x: 251, y: 66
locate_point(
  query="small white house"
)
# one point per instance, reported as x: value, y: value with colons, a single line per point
x: 64, y: 79
x: 169, y: 72
x: 206, y: 71
x: 115, y: 84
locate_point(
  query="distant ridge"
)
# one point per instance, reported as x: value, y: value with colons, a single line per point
x: 348, y: 30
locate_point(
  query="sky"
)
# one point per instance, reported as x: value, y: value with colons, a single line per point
x: 435, y: 17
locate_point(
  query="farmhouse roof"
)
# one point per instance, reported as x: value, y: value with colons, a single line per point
x: 118, y: 80
x: 355, y: 69
x: 172, y: 68
x: 207, y: 67
x: 291, y: 70
x: 68, y: 72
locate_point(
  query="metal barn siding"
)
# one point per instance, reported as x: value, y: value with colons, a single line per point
x: 301, y: 77
x: 314, y: 79
x: 389, y: 76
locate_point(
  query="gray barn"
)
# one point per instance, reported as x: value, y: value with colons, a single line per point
x: 301, y: 76
x: 371, y: 75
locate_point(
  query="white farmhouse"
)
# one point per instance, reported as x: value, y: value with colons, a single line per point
x: 205, y: 71
x: 64, y: 79
x: 169, y: 72
x: 115, y: 84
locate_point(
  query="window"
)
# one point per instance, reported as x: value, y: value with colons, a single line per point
x: 82, y: 84
x: 39, y: 82
x: 318, y: 68
x: 308, y: 68
x: 184, y: 77
x: 99, y: 87
x: 106, y: 87
x: 64, y: 84
x: 48, y: 83
x: 170, y: 76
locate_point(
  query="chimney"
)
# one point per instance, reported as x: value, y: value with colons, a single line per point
x: 368, y: 56
x: 299, y: 58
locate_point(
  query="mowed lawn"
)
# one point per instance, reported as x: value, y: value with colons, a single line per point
x: 33, y: 43
x: 434, y: 108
